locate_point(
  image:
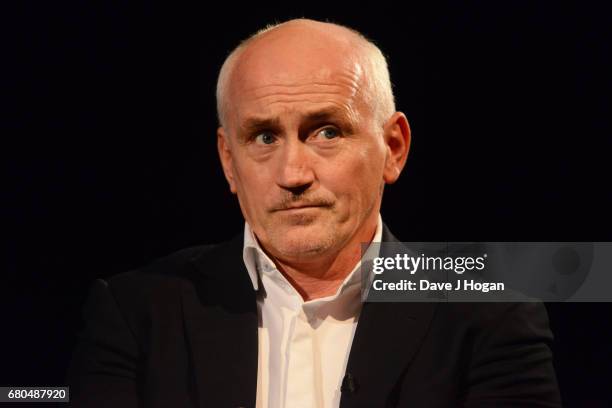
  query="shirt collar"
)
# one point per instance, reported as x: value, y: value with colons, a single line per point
x: 253, y: 255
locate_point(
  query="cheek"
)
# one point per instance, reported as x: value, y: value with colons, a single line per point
x: 370, y: 172
x: 357, y: 177
x: 253, y: 183
x: 246, y: 184
x: 372, y: 163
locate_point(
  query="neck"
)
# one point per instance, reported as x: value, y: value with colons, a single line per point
x: 322, y: 276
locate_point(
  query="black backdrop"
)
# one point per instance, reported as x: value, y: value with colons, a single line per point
x: 108, y: 145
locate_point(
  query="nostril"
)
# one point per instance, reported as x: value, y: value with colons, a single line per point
x: 297, y: 191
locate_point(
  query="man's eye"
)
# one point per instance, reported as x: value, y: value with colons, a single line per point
x: 265, y: 138
x: 328, y: 133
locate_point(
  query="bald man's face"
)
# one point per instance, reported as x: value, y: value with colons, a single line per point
x: 300, y: 145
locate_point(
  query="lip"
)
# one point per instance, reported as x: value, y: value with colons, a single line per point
x: 301, y: 207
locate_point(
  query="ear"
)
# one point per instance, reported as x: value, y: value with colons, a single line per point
x: 396, y: 133
x: 225, y: 154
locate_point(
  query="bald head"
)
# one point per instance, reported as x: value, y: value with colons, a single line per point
x: 302, y: 48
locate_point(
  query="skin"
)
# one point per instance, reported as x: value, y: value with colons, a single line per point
x: 305, y: 154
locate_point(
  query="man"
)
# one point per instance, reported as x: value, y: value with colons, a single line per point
x: 308, y: 138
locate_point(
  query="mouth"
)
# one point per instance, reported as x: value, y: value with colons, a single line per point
x: 300, y: 207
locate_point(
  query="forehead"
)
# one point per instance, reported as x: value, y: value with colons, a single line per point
x: 295, y: 72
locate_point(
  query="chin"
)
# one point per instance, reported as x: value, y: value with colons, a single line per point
x: 304, y: 241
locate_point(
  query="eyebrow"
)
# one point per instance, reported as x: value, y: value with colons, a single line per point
x: 255, y: 124
x: 327, y: 113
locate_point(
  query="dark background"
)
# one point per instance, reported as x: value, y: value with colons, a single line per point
x: 108, y: 147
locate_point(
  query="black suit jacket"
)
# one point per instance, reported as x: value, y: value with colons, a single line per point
x: 182, y: 332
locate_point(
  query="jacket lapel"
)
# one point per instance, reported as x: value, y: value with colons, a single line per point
x: 220, y: 313
x: 386, y: 339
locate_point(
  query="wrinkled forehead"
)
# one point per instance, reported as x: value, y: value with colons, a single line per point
x: 300, y: 68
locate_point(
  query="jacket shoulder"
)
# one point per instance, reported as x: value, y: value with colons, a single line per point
x: 157, y: 285
x: 174, y: 267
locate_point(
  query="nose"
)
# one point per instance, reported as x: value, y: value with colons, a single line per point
x: 295, y: 171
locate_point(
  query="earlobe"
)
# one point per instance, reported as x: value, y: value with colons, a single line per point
x: 225, y: 155
x: 397, y: 140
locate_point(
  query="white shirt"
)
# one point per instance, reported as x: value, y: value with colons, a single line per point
x: 303, y: 346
